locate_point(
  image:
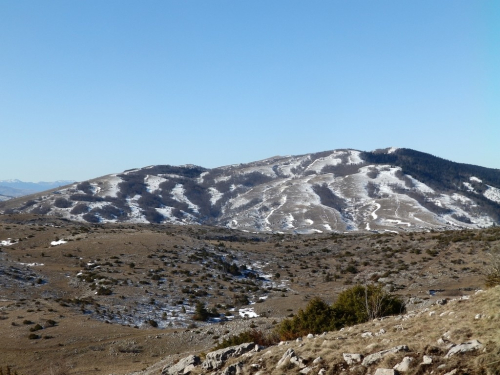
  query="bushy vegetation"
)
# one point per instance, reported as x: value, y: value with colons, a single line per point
x: 493, y: 272
x: 353, y: 306
x: 255, y: 336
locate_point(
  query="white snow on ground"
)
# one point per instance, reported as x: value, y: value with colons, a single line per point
x: 248, y: 312
x: 215, y: 195
x: 308, y: 222
x: 113, y: 189
x: 178, y: 194
x: 492, y: 193
x: 7, y: 242
x: 367, y: 226
x: 153, y: 182
x: 399, y: 222
x: 32, y: 264
x: 420, y: 186
x: 320, y: 163
x: 354, y: 157
x: 327, y: 227
x: 264, y: 169
x: 288, y: 222
x: 136, y: 215
x: 374, y: 215
x: 292, y: 163
x: 60, y: 242
x: 391, y: 150
x: 469, y: 187
x: 462, y: 199
x: 475, y: 179
x: 222, y: 178
x: 202, y: 177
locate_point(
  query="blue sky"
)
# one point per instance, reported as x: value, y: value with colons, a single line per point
x: 94, y: 87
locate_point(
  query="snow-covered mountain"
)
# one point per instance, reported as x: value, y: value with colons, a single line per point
x: 341, y: 190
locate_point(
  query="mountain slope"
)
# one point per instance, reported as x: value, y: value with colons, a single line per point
x: 339, y: 190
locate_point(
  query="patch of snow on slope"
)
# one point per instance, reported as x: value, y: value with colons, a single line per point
x: 111, y: 188
x: 420, y: 186
x: 374, y: 215
x: 178, y: 194
x: 320, y: 163
x: 292, y: 163
x: 391, y: 150
x: 475, y: 179
x: 153, y: 182
x: 248, y: 312
x: 7, y: 242
x: 202, y: 177
x: 136, y: 215
x: 492, y: 193
x: 215, y: 195
x: 469, y: 187
x: 354, y: 157
x: 55, y: 243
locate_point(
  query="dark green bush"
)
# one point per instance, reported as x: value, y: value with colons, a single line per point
x: 355, y: 305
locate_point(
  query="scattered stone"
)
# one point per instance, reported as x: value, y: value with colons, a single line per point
x: 184, y: 366
x: 366, y: 334
x: 386, y: 371
x: 381, y: 332
x: 452, y: 372
x: 404, y: 365
x: 464, y: 347
x: 351, y: 359
x: 478, y: 316
x: 441, y: 302
x: 431, y: 313
x: 426, y: 360
x: 215, y: 360
x: 322, y: 372
x: 375, y: 357
x: 299, y: 339
x: 310, y: 336
x: 306, y: 370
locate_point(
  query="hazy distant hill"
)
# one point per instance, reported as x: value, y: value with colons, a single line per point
x: 15, y: 188
x: 341, y: 190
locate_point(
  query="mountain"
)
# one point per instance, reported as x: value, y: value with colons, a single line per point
x: 341, y: 190
x: 15, y: 188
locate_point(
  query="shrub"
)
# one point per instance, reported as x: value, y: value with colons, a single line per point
x: 493, y: 271
x: 355, y: 305
x: 62, y: 203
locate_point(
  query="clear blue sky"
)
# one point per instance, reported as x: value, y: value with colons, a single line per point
x: 93, y: 87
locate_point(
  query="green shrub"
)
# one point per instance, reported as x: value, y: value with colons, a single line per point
x: 355, y: 305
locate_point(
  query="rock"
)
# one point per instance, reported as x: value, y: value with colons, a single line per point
x: 426, y: 360
x: 464, y: 348
x: 299, y: 339
x: 310, y: 336
x: 478, y: 316
x: 441, y: 302
x: 317, y: 360
x: 322, y: 372
x: 452, y: 372
x: 381, y: 332
x: 386, y: 371
x: 215, y: 360
x: 366, y: 334
x: 351, y: 359
x: 431, y: 313
x: 291, y: 357
x: 375, y: 357
x: 184, y: 366
x: 233, y: 369
x: 404, y: 365
x: 306, y: 370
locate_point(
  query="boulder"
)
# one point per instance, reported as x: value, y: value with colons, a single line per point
x: 184, y: 366
x: 215, y: 360
x: 306, y: 370
x: 291, y: 357
x: 375, y: 357
x: 386, y: 371
x: 464, y: 348
x: 351, y: 358
x: 233, y: 369
x: 404, y: 365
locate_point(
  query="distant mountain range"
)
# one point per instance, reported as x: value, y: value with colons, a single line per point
x: 341, y: 190
x: 15, y: 188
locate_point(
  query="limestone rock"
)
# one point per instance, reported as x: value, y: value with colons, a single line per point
x: 352, y: 358
x: 306, y: 370
x: 464, y: 347
x: 375, y: 357
x: 404, y: 365
x: 322, y: 372
x: 426, y: 360
x: 215, y: 360
x: 184, y: 366
x: 233, y: 369
x: 452, y: 372
x: 386, y: 371
x: 291, y: 357
x: 317, y: 360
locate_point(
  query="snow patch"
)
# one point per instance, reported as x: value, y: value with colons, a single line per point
x: 60, y: 242
x: 475, y: 179
x: 7, y: 242
x: 248, y: 312
x: 493, y: 194
x: 153, y: 182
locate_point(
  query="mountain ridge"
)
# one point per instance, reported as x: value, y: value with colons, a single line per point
x: 391, y: 189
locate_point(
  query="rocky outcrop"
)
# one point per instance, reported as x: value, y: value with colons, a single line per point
x: 215, y: 360
x: 404, y: 365
x: 464, y: 348
x: 291, y: 357
x: 352, y: 358
x: 233, y: 369
x: 183, y: 367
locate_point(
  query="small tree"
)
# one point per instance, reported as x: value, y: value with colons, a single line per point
x: 200, y: 313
